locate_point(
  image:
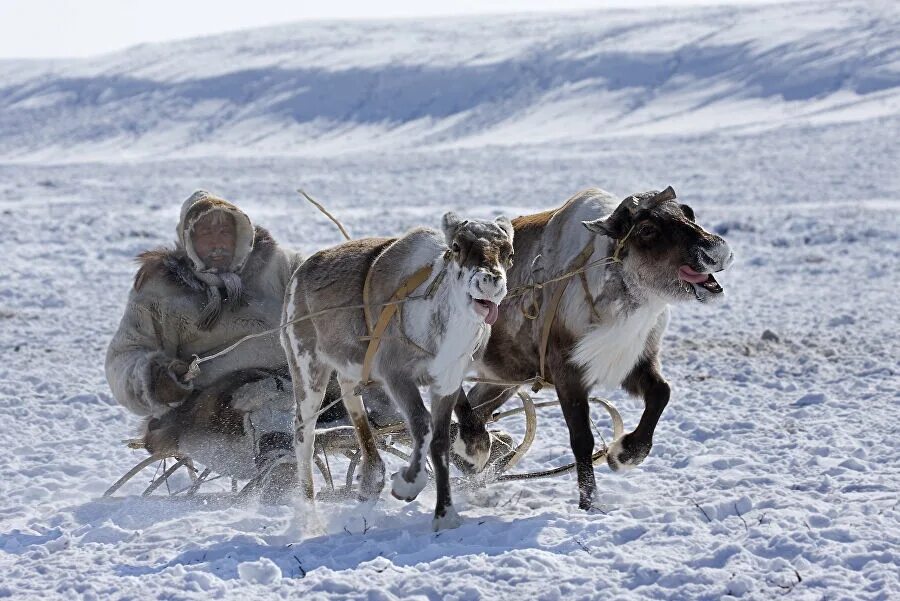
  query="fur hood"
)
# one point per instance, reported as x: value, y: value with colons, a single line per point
x: 177, y: 266
x: 202, y: 203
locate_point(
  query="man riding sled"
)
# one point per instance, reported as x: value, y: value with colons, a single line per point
x: 224, y: 279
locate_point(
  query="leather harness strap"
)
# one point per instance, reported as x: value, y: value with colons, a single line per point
x: 578, y: 263
x: 587, y: 293
x: 375, y: 335
x: 367, y: 310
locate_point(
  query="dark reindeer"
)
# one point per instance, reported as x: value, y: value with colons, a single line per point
x: 607, y: 325
x: 431, y: 341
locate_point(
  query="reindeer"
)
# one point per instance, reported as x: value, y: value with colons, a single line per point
x: 431, y: 341
x: 602, y: 331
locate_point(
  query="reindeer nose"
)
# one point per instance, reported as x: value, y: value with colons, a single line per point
x: 490, y: 278
x: 719, y: 254
x: 729, y: 260
x: 495, y: 275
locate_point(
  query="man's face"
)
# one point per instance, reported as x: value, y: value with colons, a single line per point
x: 213, y: 238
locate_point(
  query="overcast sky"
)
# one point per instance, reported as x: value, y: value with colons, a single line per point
x: 71, y: 28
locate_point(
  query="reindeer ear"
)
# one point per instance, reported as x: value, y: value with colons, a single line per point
x: 688, y: 212
x: 450, y: 224
x: 600, y: 226
x: 616, y: 225
x: 505, y: 225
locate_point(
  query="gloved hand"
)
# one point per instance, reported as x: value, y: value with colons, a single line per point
x: 169, y: 388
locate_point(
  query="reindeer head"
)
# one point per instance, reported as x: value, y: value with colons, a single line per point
x: 662, y: 247
x: 481, y: 251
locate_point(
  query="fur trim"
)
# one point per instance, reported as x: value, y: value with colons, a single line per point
x: 176, y: 266
x: 201, y: 203
x: 144, y: 383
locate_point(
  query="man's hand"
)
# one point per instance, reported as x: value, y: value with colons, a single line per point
x: 179, y: 368
x: 169, y: 387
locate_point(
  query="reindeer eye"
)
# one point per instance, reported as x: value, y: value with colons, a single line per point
x: 509, y: 259
x: 648, y: 232
x: 455, y: 247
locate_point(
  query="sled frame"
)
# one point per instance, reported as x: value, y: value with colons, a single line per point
x: 341, y: 441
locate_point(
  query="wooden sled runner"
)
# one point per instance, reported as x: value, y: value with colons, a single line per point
x: 341, y: 441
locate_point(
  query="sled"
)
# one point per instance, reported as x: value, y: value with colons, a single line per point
x: 392, y: 439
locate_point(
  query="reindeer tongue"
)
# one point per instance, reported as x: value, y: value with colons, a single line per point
x: 689, y: 275
x: 493, y: 313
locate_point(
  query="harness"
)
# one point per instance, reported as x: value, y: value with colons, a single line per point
x: 400, y: 296
x: 579, y: 266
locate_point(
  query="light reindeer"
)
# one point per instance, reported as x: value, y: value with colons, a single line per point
x: 602, y: 327
x: 435, y: 296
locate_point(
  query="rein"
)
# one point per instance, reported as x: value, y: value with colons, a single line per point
x: 396, y: 300
x: 194, y: 369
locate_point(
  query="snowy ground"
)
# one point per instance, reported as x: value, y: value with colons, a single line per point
x: 775, y: 469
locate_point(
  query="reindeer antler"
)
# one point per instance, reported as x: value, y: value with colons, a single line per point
x: 647, y: 200
x: 667, y: 194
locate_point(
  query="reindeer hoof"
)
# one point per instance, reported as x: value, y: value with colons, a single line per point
x: 627, y: 453
x: 371, y: 481
x: 450, y: 519
x: 471, y: 450
x: 408, y: 491
x: 586, y: 496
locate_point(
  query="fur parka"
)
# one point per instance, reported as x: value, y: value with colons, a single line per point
x: 163, y: 319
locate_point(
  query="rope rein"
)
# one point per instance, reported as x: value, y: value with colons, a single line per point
x: 194, y: 369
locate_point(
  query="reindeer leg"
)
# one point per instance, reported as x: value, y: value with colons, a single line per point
x: 576, y: 411
x: 471, y: 441
x: 573, y: 399
x: 445, y: 515
x: 644, y: 380
x: 371, y: 478
x: 484, y: 399
x: 310, y: 378
x: 408, y: 483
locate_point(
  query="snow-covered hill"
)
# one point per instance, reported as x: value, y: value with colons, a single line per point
x: 775, y: 469
x: 327, y: 87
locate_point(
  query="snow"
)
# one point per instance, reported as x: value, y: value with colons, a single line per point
x: 775, y: 468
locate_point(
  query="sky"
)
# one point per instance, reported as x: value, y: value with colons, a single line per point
x: 77, y: 28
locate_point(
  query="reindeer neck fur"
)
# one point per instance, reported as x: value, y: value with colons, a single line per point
x: 446, y: 326
x: 614, y: 336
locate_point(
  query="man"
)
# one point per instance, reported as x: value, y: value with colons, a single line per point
x: 224, y: 280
